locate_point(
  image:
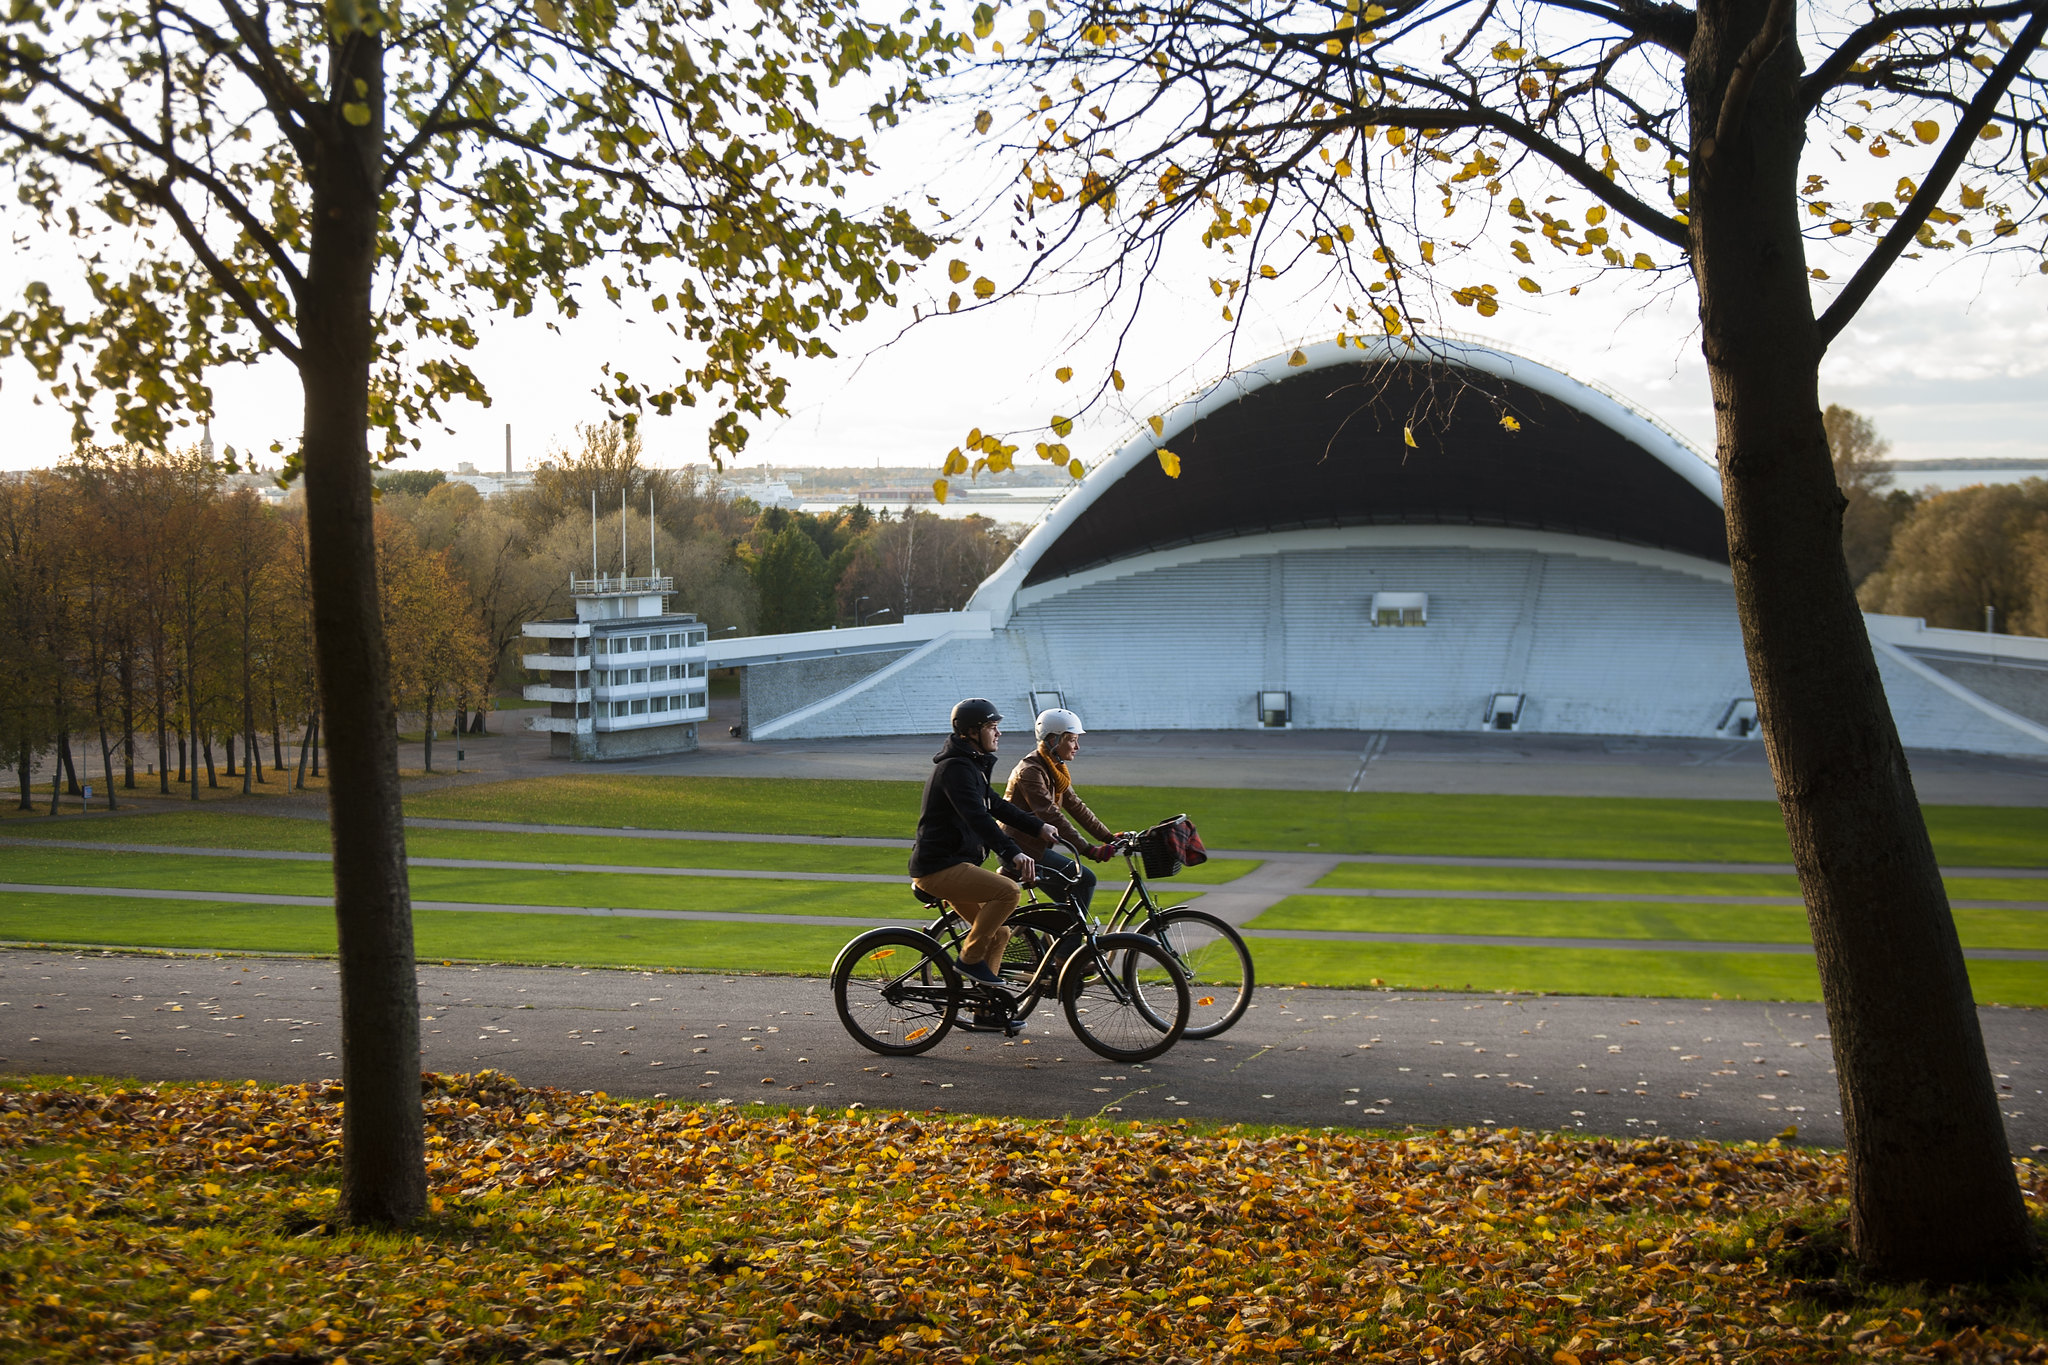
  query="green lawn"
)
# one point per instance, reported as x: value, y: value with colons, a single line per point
x: 704, y: 946
x: 1336, y: 822
x: 1610, y: 919
x: 189, y: 828
x: 1427, y: 877
x: 268, y: 833
x: 1590, y: 971
x: 182, y: 872
x: 1333, y: 822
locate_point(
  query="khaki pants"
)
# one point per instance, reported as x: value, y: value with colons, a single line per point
x: 984, y: 900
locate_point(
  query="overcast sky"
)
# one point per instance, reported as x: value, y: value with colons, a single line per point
x: 1949, y: 358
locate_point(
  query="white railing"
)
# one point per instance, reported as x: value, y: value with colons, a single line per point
x: 607, y: 585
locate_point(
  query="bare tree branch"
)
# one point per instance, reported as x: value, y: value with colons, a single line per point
x: 1936, y: 182
x: 1825, y: 77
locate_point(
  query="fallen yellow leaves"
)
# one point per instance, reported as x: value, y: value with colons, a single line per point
x: 583, y: 1228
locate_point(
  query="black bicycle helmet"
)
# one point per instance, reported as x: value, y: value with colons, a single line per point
x: 972, y: 714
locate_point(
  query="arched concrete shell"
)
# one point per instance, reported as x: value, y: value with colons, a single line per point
x: 1283, y: 446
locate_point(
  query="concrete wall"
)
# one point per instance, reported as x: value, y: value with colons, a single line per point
x: 776, y: 689
x: 2020, y: 689
x: 1596, y: 642
x: 649, y: 741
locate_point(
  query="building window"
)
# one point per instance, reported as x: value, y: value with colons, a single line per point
x: 639, y: 643
x: 658, y: 673
x: 675, y: 703
x: 583, y: 710
x: 696, y: 670
x: 618, y: 708
x: 660, y: 704
x: 697, y: 637
x: 583, y: 647
x: 639, y: 675
x: 696, y: 699
x: 1276, y: 709
x: 1400, y: 609
x: 640, y: 707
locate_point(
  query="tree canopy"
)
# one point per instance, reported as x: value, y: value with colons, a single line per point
x: 1423, y: 166
x: 527, y: 156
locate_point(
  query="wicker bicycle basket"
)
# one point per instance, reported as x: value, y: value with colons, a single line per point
x: 1161, y: 848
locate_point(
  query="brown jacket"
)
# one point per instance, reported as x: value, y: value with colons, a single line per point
x: 1032, y: 786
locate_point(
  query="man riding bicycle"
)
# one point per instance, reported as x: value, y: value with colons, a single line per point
x: 957, y: 827
x: 1042, y: 786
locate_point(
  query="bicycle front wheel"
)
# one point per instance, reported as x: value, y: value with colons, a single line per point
x: 896, y: 991
x: 1126, y: 998
x: 1217, y: 964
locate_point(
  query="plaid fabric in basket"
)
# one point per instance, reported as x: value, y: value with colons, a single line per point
x: 1171, y: 845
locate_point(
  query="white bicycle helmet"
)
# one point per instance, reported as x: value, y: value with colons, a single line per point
x: 1058, y: 722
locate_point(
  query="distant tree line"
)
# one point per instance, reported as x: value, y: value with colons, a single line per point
x: 1944, y: 557
x: 154, y: 610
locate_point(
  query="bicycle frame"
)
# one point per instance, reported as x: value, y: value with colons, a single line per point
x: 1137, y: 897
x: 1038, y: 983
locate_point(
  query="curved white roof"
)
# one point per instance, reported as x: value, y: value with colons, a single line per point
x: 997, y: 594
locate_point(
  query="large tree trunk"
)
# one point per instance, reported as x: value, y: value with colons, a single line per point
x: 1932, y: 1192
x: 383, y: 1153
x: 22, y: 773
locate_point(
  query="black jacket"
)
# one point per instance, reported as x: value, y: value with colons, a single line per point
x: 958, y: 822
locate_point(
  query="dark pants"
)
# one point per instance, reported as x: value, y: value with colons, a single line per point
x: 1065, y: 867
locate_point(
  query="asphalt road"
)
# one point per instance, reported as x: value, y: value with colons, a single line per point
x: 1723, y: 1069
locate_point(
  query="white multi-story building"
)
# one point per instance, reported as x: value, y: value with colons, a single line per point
x: 622, y: 678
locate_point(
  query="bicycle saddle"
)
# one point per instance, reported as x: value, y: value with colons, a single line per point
x: 927, y: 897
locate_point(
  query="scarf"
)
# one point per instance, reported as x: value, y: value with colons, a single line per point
x: 1061, y: 782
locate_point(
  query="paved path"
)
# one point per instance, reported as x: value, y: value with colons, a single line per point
x: 1724, y: 1069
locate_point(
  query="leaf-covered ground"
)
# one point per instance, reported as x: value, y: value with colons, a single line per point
x: 177, y: 1223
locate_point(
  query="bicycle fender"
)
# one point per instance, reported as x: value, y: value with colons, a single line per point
x: 855, y: 947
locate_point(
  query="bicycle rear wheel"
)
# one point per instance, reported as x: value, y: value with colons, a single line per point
x: 1217, y: 963
x: 1126, y: 998
x: 896, y: 991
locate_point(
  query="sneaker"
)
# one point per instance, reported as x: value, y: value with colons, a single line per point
x: 993, y: 1021
x: 979, y: 971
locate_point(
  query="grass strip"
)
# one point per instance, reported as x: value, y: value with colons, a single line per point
x: 1430, y: 877
x: 624, y: 891
x: 586, y: 941
x: 232, y: 829
x: 200, y: 1220
x: 1332, y: 822
x: 1589, y: 971
x: 803, y: 950
x: 1554, y: 919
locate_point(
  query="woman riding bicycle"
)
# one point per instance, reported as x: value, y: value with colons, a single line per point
x: 955, y: 831
x: 1041, y: 785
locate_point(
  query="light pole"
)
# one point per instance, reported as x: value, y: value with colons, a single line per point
x: 878, y: 611
x: 856, y: 608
